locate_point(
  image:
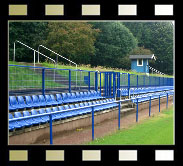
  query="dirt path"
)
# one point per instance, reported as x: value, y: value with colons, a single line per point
x: 83, y: 135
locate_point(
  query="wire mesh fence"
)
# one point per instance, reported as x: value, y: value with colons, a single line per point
x: 34, y: 80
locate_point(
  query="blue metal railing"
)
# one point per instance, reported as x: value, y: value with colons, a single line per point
x: 92, y: 112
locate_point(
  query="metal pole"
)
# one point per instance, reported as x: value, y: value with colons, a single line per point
x: 137, y: 111
x: 119, y: 107
x: 43, y: 81
x: 76, y: 77
x: 89, y: 81
x: 14, y: 52
x: 92, y: 123
x: 38, y: 56
x: 34, y: 58
x: 150, y: 106
x: 69, y: 81
x: 51, y: 136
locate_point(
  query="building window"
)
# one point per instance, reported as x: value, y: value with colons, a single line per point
x: 139, y: 62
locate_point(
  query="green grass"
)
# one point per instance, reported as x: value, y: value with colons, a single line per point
x: 157, y: 130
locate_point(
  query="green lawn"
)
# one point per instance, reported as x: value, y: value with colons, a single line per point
x: 157, y: 130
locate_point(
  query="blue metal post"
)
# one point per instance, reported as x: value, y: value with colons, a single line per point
x: 118, y: 84
x: 51, y: 137
x: 110, y: 84
x: 149, y: 105
x: 114, y: 85
x: 92, y: 123
x: 89, y: 81
x: 69, y: 81
x: 137, y: 111
x: 159, y: 103
x: 128, y: 84
x: 96, y: 81
x: 119, y: 110
x: 43, y: 81
x: 100, y: 83
x: 167, y: 102
x: 137, y: 81
x: 107, y: 86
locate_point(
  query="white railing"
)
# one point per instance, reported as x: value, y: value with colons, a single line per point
x: 156, y: 71
x: 57, y: 58
x: 35, y: 51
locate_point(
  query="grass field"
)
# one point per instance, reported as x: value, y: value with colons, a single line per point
x: 157, y: 130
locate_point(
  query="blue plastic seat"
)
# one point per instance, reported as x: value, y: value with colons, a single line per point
x: 23, y: 122
x: 30, y: 120
x: 57, y: 116
x: 86, y: 96
x: 79, y: 97
x: 36, y: 101
x: 11, y: 108
x: 70, y: 113
x: 37, y: 119
x: 74, y: 98
x: 59, y: 98
x: 65, y: 98
x: 14, y: 124
x: 43, y: 101
x: 50, y: 101
x: 29, y: 102
x: 54, y: 100
x: 21, y: 102
x: 45, y: 117
x: 64, y: 114
x: 14, y: 103
x: 75, y: 112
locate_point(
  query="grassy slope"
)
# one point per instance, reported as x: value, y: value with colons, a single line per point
x: 157, y: 130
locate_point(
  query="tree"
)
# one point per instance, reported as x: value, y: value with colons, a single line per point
x: 114, y: 42
x: 30, y: 33
x: 73, y: 40
x: 157, y: 37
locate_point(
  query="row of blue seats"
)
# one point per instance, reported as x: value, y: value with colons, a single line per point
x: 143, y: 98
x: 134, y: 91
x: 21, y: 123
x: 35, y: 101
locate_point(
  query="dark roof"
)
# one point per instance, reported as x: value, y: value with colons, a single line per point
x: 142, y: 57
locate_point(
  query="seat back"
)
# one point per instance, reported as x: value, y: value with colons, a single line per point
x: 64, y: 96
x: 77, y: 105
x: 17, y: 114
x: 82, y: 94
x: 41, y: 111
x: 13, y: 100
x: 41, y: 98
x: 48, y: 110
x: 10, y: 116
x: 72, y: 106
x: 28, y: 100
x: 66, y: 107
x: 78, y: 95
x: 35, y: 99
x: 90, y: 103
x: 47, y: 97
x: 86, y: 94
x: 54, y: 109
x: 58, y: 97
x: 81, y: 105
x: 94, y: 103
x: 73, y: 95
x: 34, y: 112
x: 68, y: 95
x: 20, y: 100
x: 26, y: 113
x: 52, y: 97
x: 61, y: 108
x: 85, y: 104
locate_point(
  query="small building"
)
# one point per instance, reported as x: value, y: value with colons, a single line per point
x: 140, y: 63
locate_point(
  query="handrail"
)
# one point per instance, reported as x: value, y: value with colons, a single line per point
x: 30, y: 49
x: 62, y: 111
x: 59, y: 56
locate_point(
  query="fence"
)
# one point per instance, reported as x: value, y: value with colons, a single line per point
x: 29, y: 80
x: 35, y: 80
